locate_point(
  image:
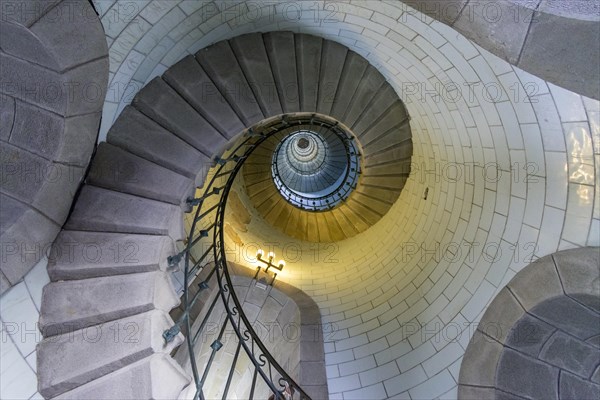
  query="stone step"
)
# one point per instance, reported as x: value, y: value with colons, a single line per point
x: 366, y: 93
x: 308, y: 60
x: 332, y: 63
x: 103, y: 210
x: 389, y: 138
x: 354, y: 217
x: 155, y: 377
x: 220, y: 63
x: 386, y: 97
x: 352, y: 74
x: 252, y: 56
x: 116, y: 169
x: 103, y: 299
x: 335, y: 231
x: 81, y: 254
x: 281, y: 50
x: 90, y: 353
x: 190, y: 80
x: 347, y: 227
x: 164, y: 105
x: 140, y: 135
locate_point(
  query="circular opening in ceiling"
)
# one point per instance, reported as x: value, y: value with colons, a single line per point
x: 302, y: 143
x: 315, y: 167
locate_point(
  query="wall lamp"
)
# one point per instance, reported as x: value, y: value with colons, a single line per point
x: 260, y: 256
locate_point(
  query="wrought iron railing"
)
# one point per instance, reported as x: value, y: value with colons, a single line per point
x: 204, y: 255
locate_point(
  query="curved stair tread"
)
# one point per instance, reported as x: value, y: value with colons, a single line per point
x: 116, y: 169
x: 308, y: 60
x: 333, y: 57
x: 140, y: 135
x: 91, y: 353
x: 282, y: 55
x: 252, y: 56
x: 164, y: 105
x: 191, y: 81
x: 220, y: 63
x: 104, y: 210
x: 378, y: 109
x: 347, y: 227
x: 159, y: 375
x: 352, y: 74
x: 101, y: 300
x: 366, y: 93
x: 82, y: 254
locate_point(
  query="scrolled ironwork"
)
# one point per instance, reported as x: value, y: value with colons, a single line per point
x: 207, y: 223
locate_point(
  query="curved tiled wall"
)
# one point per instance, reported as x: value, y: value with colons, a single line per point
x: 401, y: 300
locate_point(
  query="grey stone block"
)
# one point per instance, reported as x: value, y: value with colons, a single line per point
x: 526, y: 376
x: 79, y: 91
x: 116, y: 169
x: 574, y: 388
x: 85, y: 87
x: 220, y: 63
x: 53, y: 137
x: 77, y: 357
x: 79, y: 138
x: 154, y: 377
x: 446, y: 11
x: 281, y: 50
x: 250, y: 52
x: 21, y: 42
x: 25, y: 235
x: 138, y: 134
x: 34, y: 84
x: 104, y: 210
x: 103, y: 299
x: 81, y: 254
x: 501, y: 316
x: 48, y: 187
x: 366, y: 93
x: 191, y: 81
x: 476, y: 393
x: 536, y: 283
x: 580, y: 274
x: 162, y: 103
x: 4, y: 283
x: 37, y: 130
x: 565, y: 51
x: 312, y: 373
x: 570, y: 354
x: 352, y: 74
x: 25, y: 12
x: 316, y: 392
x: 493, y: 26
x: 308, y: 60
x: 568, y: 315
x: 596, y: 376
x: 7, y: 116
x: 333, y: 57
x: 72, y: 33
x: 478, y: 367
x: 529, y: 335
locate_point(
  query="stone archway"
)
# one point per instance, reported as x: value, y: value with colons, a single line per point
x: 539, y: 338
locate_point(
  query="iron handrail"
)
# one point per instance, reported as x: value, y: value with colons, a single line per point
x: 213, y: 216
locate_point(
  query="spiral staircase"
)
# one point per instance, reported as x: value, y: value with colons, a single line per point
x: 141, y: 182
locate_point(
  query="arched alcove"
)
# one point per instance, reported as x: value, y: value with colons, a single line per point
x: 540, y: 336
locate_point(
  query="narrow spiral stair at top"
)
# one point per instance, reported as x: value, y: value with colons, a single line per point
x: 158, y: 152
